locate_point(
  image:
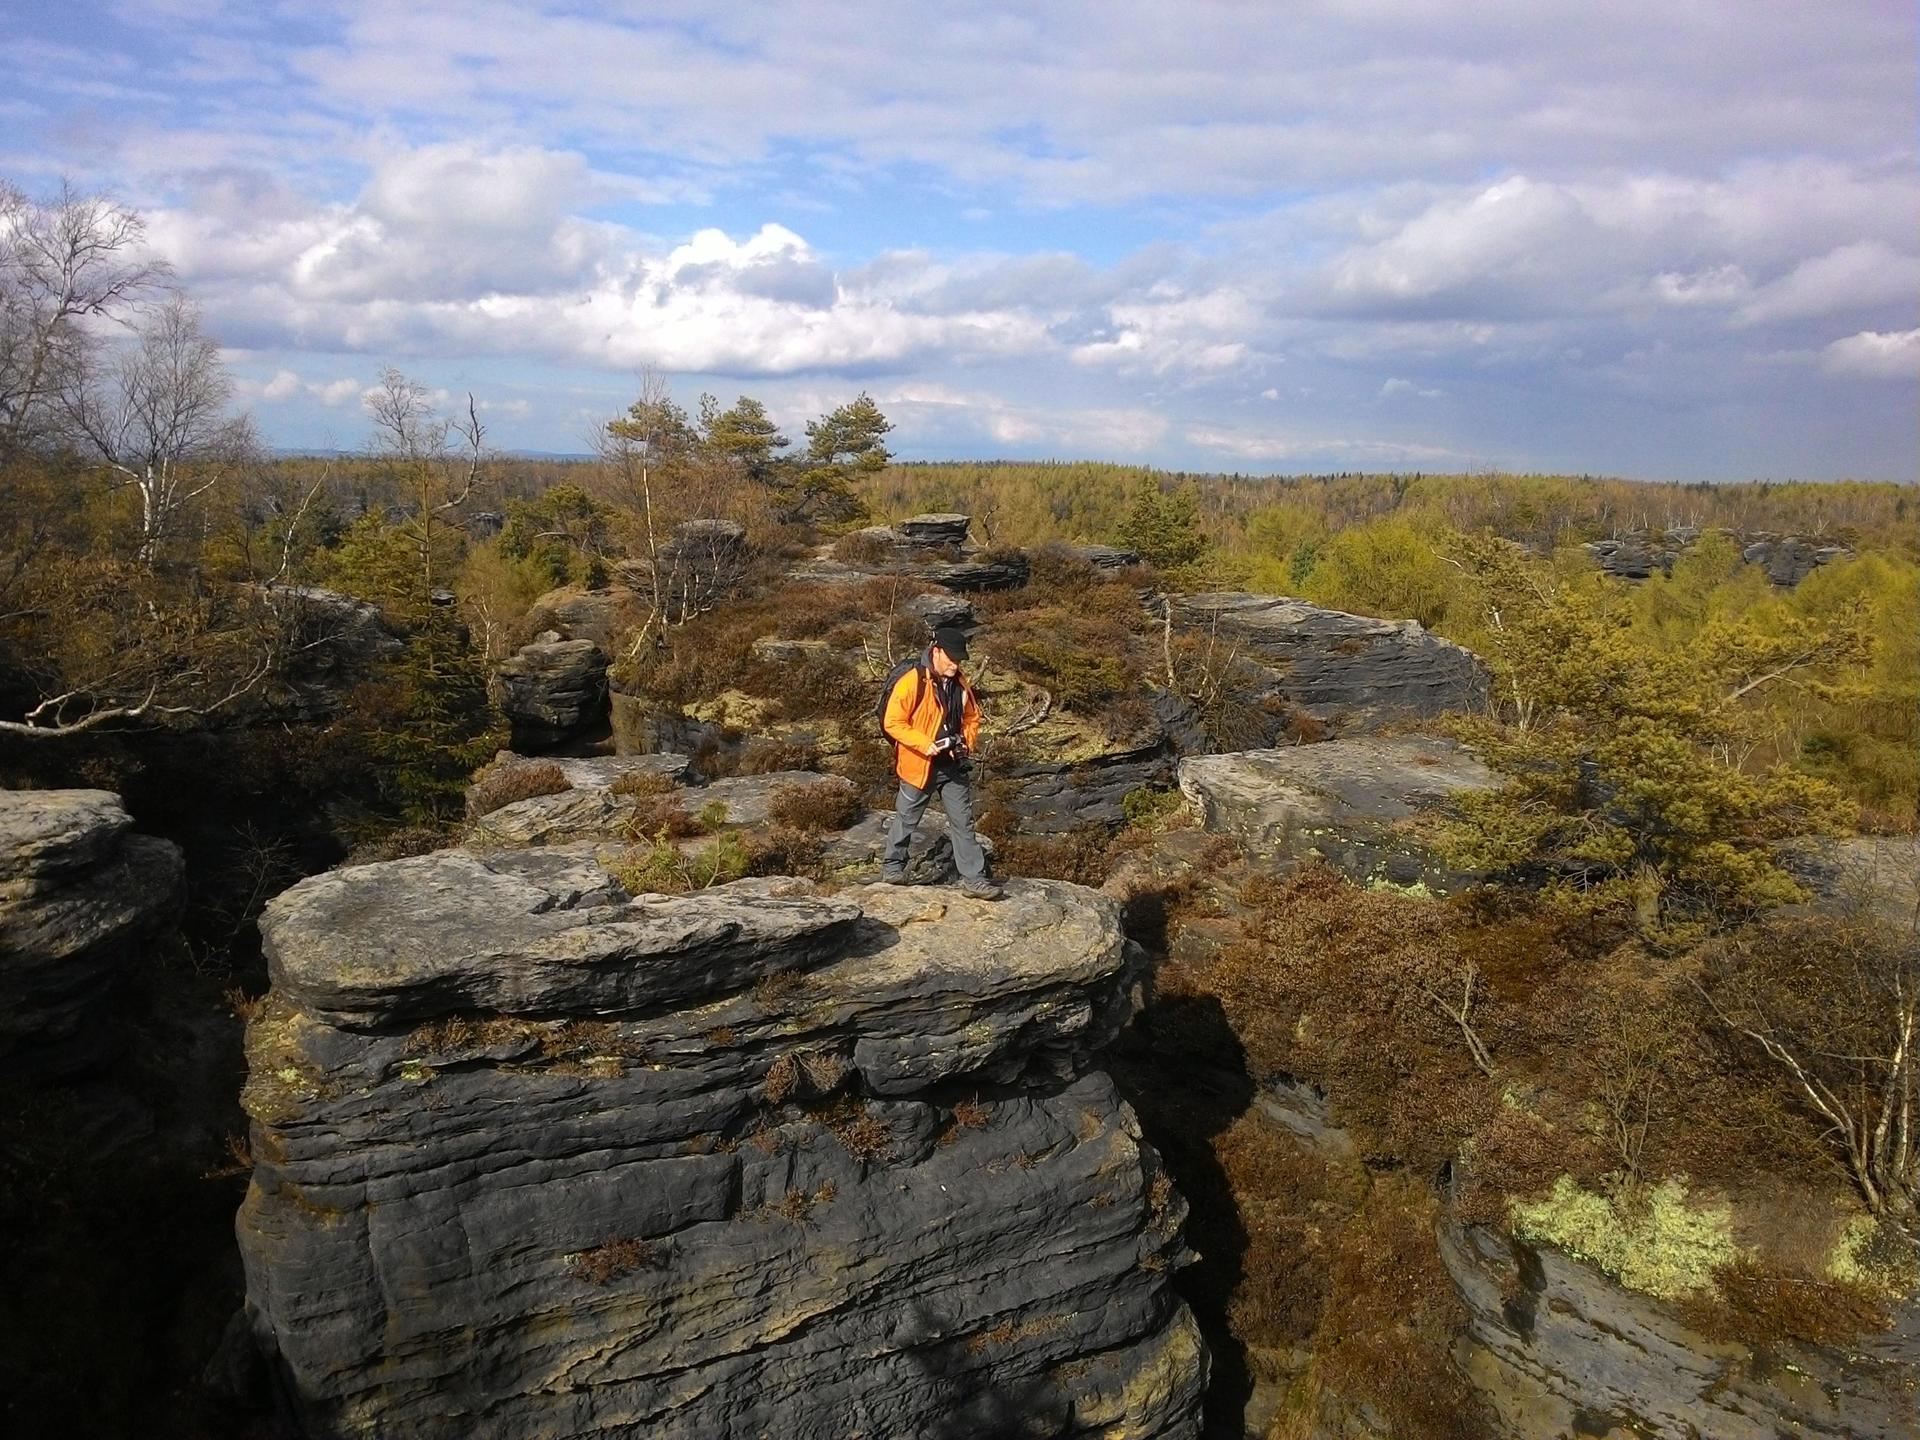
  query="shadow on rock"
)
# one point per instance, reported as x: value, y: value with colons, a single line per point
x: 1184, y: 1071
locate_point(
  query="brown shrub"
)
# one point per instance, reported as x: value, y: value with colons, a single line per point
x: 783, y: 850
x: 644, y: 783
x: 1346, y: 987
x: 1392, y: 1317
x: 814, y: 687
x: 812, y: 809
x: 1290, y: 1203
x: 1081, y: 856
x: 766, y: 754
x: 509, y: 778
x: 869, y: 764
x: 865, y: 1135
x: 860, y: 548
x: 606, y: 1263
x: 1760, y: 1307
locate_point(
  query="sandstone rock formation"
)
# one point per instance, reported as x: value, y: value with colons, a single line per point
x: 575, y: 613
x: 1788, y: 559
x: 1354, y: 804
x: 534, y: 1158
x: 80, y: 898
x: 1052, y: 797
x: 1556, y: 1348
x: 553, y: 690
x: 1350, y: 669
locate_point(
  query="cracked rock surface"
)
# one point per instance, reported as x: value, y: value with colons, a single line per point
x: 538, y: 1158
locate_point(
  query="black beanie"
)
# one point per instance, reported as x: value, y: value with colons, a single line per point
x: 951, y: 640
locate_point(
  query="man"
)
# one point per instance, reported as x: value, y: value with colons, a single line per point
x: 933, y: 719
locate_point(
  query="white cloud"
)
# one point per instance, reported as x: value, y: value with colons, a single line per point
x: 1396, y: 387
x: 1876, y: 355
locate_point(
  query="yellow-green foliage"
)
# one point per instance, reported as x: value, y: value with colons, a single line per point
x: 1653, y: 1241
x: 1874, y: 1254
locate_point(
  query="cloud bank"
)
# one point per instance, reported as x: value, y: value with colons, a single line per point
x: 1659, y: 240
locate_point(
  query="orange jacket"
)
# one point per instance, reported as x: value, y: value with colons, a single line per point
x: 914, y: 726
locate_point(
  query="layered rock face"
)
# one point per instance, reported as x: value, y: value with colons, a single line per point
x: 534, y: 1157
x: 80, y: 898
x: 1351, y: 669
x: 1558, y: 1349
x: 1355, y: 804
x: 553, y: 689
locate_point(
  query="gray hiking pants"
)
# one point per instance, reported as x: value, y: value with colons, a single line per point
x: 968, y: 858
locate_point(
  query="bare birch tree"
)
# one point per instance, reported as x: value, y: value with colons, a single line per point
x: 157, y: 419
x: 77, y: 258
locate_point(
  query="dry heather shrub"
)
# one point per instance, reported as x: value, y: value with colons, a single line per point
x: 508, y: 778
x: 865, y: 1135
x: 1082, y: 856
x: 766, y: 754
x: 783, y: 850
x: 814, y: 808
x: 783, y: 1077
x: 644, y: 783
x: 1391, y: 1318
x: 1346, y: 987
x: 606, y: 1263
x: 1290, y: 1202
x: 1761, y: 1306
x: 860, y: 548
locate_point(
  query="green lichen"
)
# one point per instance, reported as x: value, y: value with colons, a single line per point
x: 1654, y: 1241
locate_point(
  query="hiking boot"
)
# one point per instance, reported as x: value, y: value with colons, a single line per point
x: 982, y: 889
x: 894, y: 875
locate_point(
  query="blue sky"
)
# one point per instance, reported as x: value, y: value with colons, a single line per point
x: 1634, y: 238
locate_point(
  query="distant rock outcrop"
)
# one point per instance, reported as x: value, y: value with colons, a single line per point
x: 1787, y: 559
x: 1354, y: 804
x: 534, y: 1158
x: 553, y: 690
x: 81, y: 897
x: 1351, y: 670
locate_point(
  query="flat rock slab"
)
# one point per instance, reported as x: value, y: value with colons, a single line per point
x: 81, y: 899
x: 48, y: 832
x: 857, y: 1176
x: 1353, y: 804
x: 1351, y: 669
x: 588, y: 814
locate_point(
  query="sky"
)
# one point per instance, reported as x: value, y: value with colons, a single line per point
x: 1651, y: 239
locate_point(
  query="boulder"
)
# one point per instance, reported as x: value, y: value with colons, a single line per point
x: 1105, y: 557
x: 1052, y: 797
x: 1869, y: 876
x: 587, y: 772
x: 599, y: 814
x: 991, y: 571
x: 938, y: 610
x: 1789, y: 559
x: 81, y: 898
x: 1355, y: 804
x: 1633, y: 557
x: 942, y: 529
x: 553, y: 690
x: 1354, y: 670
x: 601, y: 616
x: 534, y: 1158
